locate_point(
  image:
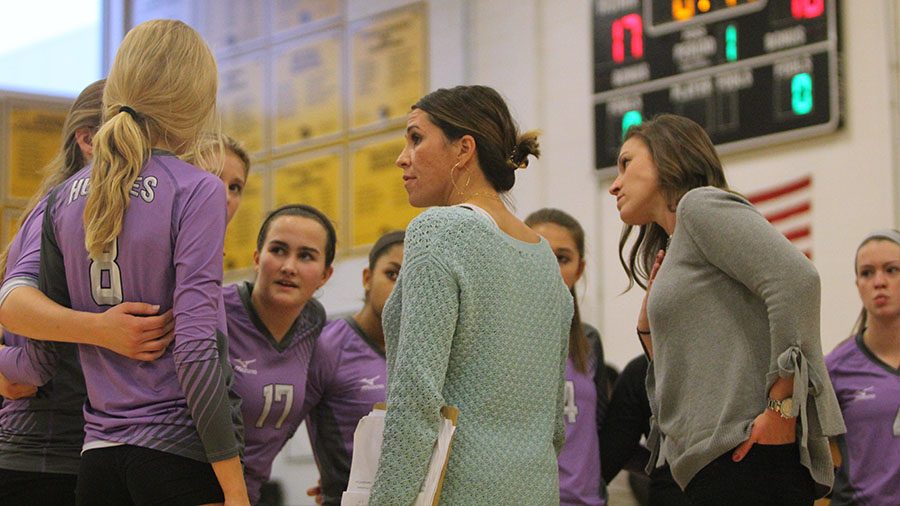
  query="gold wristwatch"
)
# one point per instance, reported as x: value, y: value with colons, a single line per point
x: 782, y: 407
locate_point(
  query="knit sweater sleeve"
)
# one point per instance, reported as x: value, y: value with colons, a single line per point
x: 418, y: 364
x: 559, y: 428
x: 733, y: 236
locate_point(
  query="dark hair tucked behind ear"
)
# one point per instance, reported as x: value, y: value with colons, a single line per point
x: 480, y: 111
x: 304, y: 211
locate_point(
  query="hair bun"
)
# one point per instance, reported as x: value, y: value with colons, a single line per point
x: 526, y: 144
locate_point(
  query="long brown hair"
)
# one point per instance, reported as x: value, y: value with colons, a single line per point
x: 686, y: 159
x: 579, y: 348
x: 161, y: 90
x: 85, y: 112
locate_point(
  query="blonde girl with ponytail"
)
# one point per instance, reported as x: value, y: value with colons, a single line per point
x: 143, y: 225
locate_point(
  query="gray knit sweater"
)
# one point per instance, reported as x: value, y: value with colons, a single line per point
x: 734, y: 306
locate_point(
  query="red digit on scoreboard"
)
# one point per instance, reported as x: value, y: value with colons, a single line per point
x: 807, y: 9
x: 635, y: 25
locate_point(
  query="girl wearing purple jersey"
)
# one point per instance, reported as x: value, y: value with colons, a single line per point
x: 273, y: 323
x: 348, y: 372
x: 46, y: 432
x: 116, y: 329
x: 580, y: 481
x: 865, y: 371
x: 153, y: 228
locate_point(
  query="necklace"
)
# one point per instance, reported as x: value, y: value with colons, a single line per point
x: 469, y: 196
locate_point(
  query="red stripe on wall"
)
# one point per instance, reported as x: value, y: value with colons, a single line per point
x: 798, y: 233
x: 780, y: 191
x: 787, y: 213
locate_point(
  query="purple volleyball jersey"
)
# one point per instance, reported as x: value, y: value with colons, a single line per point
x: 868, y: 391
x: 43, y: 433
x: 579, y: 460
x: 270, y: 377
x: 346, y: 378
x: 169, y: 252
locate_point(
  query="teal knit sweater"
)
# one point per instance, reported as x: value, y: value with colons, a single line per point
x: 480, y: 321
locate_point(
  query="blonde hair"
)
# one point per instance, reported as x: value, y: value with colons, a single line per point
x: 85, y: 112
x: 213, y: 147
x: 161, y: 91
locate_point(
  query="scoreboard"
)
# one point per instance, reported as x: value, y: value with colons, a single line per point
x: 751, y: 72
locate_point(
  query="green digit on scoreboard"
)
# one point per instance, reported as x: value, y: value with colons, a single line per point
x: 801, y: 94
x: 731, y: 46
x: 630, y: 119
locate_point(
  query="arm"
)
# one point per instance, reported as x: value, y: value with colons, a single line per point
x: 26, y: 310
x: 230, y: 475
x: 735, y: 238
x: 416, y: 371
x: 15, y: 391
x: 34, y: 363
x: 627, y: 418
x: 122, y: 328
x: 196, y: 306
x: 601, y: 383
x: 559, y: 427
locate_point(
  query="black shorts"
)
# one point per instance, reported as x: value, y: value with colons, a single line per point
x: 37, y: 489
x: 132, y: 475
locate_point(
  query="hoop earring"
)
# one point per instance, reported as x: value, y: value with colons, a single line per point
x: 452, y: 180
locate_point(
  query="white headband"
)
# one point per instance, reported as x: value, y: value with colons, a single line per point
x: 884, y: 233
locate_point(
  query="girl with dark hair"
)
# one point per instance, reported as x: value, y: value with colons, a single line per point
x: 724, y: 290
x: 479, y: 318
x: 580, y: 481
x: 273, y: 324
x: 348, y: 373
x: 865, y: 370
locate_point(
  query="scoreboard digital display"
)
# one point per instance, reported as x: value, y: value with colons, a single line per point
x: 751, y: 72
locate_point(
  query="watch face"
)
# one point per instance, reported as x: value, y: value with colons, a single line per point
x: 787, y: 407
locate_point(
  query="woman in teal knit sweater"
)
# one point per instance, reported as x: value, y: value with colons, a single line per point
x: 479, y: 317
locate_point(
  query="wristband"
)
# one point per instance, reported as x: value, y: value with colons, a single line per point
x: 641, y: 334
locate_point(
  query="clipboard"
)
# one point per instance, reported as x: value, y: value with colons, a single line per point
x: 367, y: 441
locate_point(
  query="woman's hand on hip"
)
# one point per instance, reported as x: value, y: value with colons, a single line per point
x: 769, y: 428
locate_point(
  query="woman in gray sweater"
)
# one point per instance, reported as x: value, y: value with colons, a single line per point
x: 741, y: 401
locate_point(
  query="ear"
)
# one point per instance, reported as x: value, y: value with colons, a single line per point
x: 84, y: 136
x: 367, y: 279
x: 327, y: 275
x: 467, y: 149
x: 581, y: 265
x: 256, y: 261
